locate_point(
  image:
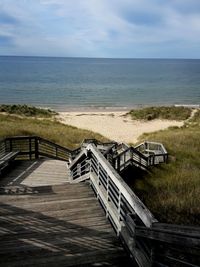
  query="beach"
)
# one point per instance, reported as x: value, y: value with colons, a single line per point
x: 114, y: 124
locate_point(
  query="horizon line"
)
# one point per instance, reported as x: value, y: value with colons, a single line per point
x: 84, y: 57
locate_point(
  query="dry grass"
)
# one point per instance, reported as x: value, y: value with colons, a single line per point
x: 65, y: 135
x: 172, y: 191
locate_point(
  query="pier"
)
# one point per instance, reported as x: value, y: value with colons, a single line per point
x: 72, y: 208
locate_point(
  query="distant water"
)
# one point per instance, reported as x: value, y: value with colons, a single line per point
x: 62, y: 83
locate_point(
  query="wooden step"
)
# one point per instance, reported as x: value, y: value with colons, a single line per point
x: 56, y: 225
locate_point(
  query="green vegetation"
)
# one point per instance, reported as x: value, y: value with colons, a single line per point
x: 168, y: 113
x: 59, y: 133
x: 195, y: 120
x: 29, y: 111
x: 171, y: 191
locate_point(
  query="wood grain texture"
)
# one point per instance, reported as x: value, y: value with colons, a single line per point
x: 53, y: 225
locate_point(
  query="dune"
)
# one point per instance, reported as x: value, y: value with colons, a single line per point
x: 114, y: 125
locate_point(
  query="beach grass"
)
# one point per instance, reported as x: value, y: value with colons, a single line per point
x: 28, y: 111
x: 52, y: 130
x: 171, y: 191
x: 167, y: 113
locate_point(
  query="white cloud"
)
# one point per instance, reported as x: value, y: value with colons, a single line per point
x: 101, y: 27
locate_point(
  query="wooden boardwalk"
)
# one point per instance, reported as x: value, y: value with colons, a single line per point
x: 45, y: 221
x: 36, y: 173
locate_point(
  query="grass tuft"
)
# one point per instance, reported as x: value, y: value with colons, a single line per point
x: 167, y: 113
x: 29, y: 111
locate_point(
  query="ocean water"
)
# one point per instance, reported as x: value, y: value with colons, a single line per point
x: 63, y: 83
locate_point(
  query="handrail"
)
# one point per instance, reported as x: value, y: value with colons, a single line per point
x: 105, y: 173
x: 33, y: 147
x: 133, y: 222
x: 135, y: 157
x: 155, y: 151
x: 147, y: 144
x: 85, y: 142
x: 118, y: 200
x: 165, y: 243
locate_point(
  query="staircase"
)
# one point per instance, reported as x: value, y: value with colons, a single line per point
x: 120, y: 156
x: 61, y: 225
x: 46, y: 221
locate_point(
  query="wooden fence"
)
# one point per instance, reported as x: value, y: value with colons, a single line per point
x: 34, y: 147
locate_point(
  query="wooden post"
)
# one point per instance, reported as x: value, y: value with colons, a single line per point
x: 36, y: 148
x: 118, y: 164
x: 10, y: 144
x: 30, y: 149
x: 119, y: 206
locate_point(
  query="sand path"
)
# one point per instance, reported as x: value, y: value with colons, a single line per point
x: 114, y: 125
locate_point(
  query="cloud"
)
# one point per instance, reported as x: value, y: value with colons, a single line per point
x: 7, y: 19
x: 6, y: 40
x: 101, y: 28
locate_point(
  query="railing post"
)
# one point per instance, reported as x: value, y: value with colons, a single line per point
x: 36, y: 148
x: 107, y: 194
x: 56, y: 152
x: 79, y: 169
x: 119, y: 207
x: 30, y: 148
x: 10, y: 144
x: 118, y: 163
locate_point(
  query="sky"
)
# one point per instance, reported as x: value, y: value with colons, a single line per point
x: 100, y: 28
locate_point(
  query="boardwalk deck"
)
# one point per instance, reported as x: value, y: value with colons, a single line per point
x: 53, y: 225
x: 36, y: 173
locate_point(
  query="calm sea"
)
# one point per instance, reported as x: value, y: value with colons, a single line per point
x: 63, y: 83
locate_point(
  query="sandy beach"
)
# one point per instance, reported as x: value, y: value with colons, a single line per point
x: 114, y: 125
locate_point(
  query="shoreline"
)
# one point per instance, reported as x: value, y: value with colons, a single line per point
x: 67, y: 108
x: 94, y: 108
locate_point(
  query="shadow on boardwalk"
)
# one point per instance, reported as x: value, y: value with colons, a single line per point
x: 58, y: 225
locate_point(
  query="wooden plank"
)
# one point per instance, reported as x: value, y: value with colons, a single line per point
x: 36, y: 173
x: 61, y: 225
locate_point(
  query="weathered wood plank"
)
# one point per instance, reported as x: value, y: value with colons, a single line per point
x: 36, y: 173
x: 55, y: 225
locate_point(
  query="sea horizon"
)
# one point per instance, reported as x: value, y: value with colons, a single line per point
x: 74, y: 83
x: 85, y: 57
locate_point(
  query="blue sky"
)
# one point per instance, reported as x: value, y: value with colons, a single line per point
x: 101, y: 28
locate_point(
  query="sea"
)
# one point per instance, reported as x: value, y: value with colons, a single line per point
x: 98, y: 83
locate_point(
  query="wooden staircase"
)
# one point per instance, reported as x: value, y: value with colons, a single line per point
x: 46, y: 221
x: 61, y: 225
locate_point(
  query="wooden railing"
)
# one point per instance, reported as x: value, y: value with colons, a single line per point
x: 34, y: 147
x: 128, y: 156
x: 115, y: 195
x: 149, y: 242
x: 165, y: 244
x: 143, y: 156
x: 155, y: 152
x: 118, y: 201
x: 79, y: 168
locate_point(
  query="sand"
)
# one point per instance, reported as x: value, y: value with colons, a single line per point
x: 114, y: 125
